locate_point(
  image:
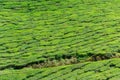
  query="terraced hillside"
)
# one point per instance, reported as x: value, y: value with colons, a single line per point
x: 48, y: 33
x: 101, y: 70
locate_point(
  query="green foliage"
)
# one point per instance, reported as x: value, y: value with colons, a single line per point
x: 41, y: 30
x: 101, y: 70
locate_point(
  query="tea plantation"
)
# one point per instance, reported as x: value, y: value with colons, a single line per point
x: 59, y: 39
